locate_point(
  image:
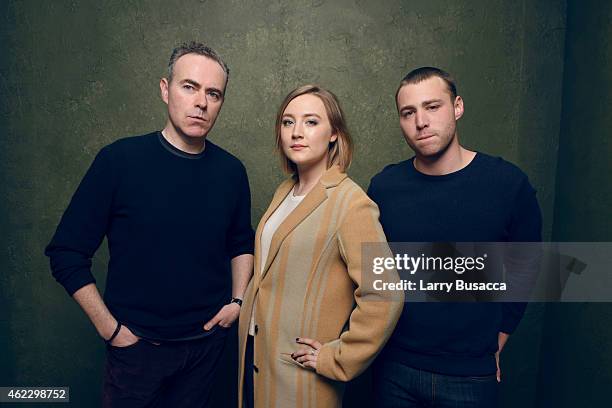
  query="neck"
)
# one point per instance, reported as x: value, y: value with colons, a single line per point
x: 192, y: 145
x: 308, y: 177
x: 452, y: 159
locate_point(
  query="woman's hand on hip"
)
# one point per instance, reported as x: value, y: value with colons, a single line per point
x: 307, y: 355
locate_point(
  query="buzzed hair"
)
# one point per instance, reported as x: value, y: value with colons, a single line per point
x: 421, y: 74
x: 194, y: 47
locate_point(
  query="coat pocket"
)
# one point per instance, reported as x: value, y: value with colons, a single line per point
x: 286, y: 358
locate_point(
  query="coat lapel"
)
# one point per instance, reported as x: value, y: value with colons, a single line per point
x: 313, y: 199
x: 279, y: 195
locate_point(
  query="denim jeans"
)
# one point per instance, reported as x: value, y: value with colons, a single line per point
x: 170, y: 374
x: 397, y: 385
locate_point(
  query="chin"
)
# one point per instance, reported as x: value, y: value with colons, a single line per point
x: 295, y: 158
x: 192, y: 134
x: 297, y: 162
x: 428, y: 152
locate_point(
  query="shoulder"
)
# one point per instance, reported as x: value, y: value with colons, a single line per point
x: 388, y: 177
x: 131, y: 142
x: 392, y: 170
x: 347, y: 185
x: 355, y: 209
x: 124, y: 149
x: 224, y: 157
x: 504, y: 167
x: 353, y: 196
x: 391, y: 173
x: 128, y: 148
x: 503, y: 173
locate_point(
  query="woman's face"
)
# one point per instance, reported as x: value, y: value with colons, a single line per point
x: 306, y: 132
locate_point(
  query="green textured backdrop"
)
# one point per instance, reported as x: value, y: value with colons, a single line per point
x: 77, y: 75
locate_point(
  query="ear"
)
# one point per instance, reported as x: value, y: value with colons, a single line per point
x: 333, y: 138
x: 163, y: 87
x: 458, y: 107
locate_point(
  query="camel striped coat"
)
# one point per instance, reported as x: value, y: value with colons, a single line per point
x: 310, y: 287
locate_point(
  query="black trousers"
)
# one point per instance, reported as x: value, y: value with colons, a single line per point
x: 248, y: 389
x: 171, y: 374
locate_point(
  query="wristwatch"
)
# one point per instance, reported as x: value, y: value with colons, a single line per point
x: 237, y: 300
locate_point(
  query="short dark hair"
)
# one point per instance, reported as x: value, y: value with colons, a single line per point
x: 421, y: 74
x: 194, y: 47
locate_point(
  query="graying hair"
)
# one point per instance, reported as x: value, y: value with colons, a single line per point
x: 194, y: 47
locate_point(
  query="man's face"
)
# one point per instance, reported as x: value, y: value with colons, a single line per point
x: 428, y: 116
x: 194, y: 95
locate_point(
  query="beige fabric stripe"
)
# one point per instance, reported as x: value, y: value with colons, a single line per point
x: 343, y: 199
x: 321, y: 239
x: 338, y: 203
x: 277, y: 295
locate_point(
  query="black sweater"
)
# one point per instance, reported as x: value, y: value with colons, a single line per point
x: 490, y: 200
x: 173, y: 221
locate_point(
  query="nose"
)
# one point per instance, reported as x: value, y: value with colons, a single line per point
x: 201, y: 101
x: 297, y: 131
x: 421, y: 120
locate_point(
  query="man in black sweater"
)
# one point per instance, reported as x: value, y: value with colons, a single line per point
x: 447, y: 353
x: 175, y: 209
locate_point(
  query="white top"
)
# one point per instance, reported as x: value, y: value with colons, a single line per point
x: 275, y: 220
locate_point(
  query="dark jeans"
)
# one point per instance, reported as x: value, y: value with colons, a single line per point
x: 397, y: 385
x: 171, y: 374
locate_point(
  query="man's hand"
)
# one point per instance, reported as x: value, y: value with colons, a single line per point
x: 124, y: 338
x: 502, y: 338
x: 225, y: 317
x: 498, y: 373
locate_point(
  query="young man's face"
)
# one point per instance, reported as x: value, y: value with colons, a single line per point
x: 428, y: 116
x: 194, y: 95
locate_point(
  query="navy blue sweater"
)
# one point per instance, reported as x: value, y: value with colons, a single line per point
x: 173, y: 221
x: 490, y: 200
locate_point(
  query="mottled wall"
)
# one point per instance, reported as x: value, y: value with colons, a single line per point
x: 576, y: 367
x: 82, y: 74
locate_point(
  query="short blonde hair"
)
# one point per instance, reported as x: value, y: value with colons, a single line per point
x: 341, y: 150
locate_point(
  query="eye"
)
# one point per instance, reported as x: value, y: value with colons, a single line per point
x: 312, y: 122
x: 214, y: 95
x: 188, y: 87
x: 433, y: 107
x: 407, y: 113
x: 286, y: 122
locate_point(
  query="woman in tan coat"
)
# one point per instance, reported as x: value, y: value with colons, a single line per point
x: 305, y: 325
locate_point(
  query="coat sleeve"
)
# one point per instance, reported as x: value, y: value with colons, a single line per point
x: 373, y: 319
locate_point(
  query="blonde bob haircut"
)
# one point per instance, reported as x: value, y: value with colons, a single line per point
x: 340, y: 151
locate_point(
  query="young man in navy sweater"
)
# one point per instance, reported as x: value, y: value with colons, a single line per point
x: 447, y: 353
x: 176, y: 211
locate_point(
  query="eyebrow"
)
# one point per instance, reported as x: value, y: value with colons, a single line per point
x: 304, y: 115
x: 424, y: 103
x: 212, y: 88
x: 191, y: 82
x: 198, y: 85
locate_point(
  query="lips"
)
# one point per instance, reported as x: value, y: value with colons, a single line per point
x: 198, y: 118
x: 425, y: 136
x: 297, y: 147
